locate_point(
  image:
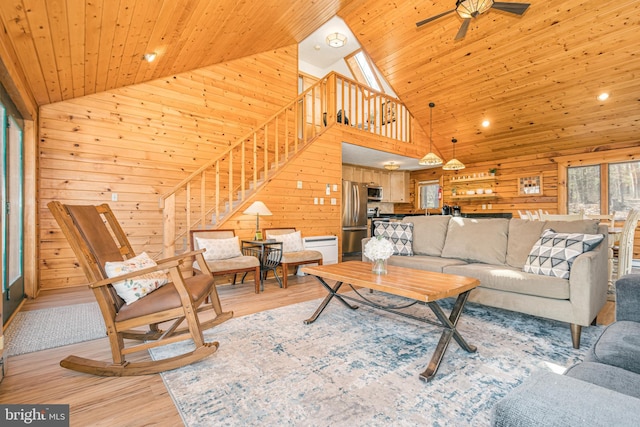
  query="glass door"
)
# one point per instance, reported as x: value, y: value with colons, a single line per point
x: 12, y: 208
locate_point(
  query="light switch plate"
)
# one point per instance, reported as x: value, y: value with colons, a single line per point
x: 328, y: 191
x: 335, y: 187
x: 322, y: 200
x: 334, y: 201
x: 315, y: 200
x: 299, y: 185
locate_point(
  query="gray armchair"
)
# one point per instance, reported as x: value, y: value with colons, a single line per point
x: 604, y: 390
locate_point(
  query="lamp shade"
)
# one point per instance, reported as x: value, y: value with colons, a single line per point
x: 257, y: 208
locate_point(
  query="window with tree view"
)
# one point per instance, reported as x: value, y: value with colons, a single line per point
x: 620, y: 194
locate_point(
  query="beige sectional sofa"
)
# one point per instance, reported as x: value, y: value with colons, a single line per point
x: 495, y: 250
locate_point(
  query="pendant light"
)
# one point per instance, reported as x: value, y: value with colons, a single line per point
x: 453, y: 164
x: 430, y: 159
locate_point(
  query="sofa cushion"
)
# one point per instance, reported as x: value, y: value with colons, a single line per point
x: 523, y: 234
x: 554, y: 253
x: 587, y: 226
x: 618, y: 345
x: 477, y: 240
x: 429, y: 233
x: 400, y: 234
x: 424, y: 262
x: 607, y: 376
x: 511, y: 279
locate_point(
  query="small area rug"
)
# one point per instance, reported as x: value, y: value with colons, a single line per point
x: 37, y: 330
x: 360, y: 367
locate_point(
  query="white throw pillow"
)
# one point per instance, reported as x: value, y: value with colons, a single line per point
x: 218, y: 249
x: 291, y: 242
x: 132, y: 289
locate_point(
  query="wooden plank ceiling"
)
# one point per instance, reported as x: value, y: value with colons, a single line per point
x: 535, y: 77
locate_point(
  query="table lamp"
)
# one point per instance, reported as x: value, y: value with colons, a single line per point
x: 257, y: 209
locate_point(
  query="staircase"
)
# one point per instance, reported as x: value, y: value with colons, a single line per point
x: 220, y: 188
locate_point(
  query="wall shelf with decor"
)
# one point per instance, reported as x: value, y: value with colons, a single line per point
x: 475, y: 196
x: 476, y: 179
x: 479, y: 187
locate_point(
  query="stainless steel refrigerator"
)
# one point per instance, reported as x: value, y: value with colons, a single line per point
x: 354, y: 216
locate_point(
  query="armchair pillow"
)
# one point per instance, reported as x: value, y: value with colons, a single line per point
x: 554, y: 253
x: 218, y: 249
x: 291, y: 242
x: 132, y: 289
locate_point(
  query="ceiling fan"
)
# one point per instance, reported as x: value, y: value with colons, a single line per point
x: 468, y: 9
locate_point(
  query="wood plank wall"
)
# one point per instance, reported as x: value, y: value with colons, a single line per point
x: 506, y: 185
x: 139, y: 141
x: 315, y: 167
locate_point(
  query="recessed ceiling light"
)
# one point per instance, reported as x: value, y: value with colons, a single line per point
x: 486, y: 123
x: 149, y: 57
x: 603, y: 96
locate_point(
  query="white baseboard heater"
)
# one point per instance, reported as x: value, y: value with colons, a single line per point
x: 326, y: 245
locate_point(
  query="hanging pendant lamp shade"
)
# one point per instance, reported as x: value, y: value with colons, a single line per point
x: 431, y: 158
x: 453, y: 164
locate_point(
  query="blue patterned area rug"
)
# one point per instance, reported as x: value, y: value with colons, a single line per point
x: 360, y: 367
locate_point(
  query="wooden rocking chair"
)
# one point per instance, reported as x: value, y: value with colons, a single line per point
x: 96, y: 238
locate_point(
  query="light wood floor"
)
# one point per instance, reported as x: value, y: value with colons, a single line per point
x: 37, y: 378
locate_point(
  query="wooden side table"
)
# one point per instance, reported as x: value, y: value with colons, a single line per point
x: 268, y: 252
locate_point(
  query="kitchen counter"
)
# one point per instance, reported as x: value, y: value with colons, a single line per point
x: 507, y: 215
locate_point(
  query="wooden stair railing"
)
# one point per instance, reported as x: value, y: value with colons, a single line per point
x: 219, y: 188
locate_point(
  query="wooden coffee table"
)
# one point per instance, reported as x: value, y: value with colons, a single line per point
x: 421, y: 286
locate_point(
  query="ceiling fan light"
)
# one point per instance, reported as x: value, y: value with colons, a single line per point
x: 471, y: 8
x: 430, y: 159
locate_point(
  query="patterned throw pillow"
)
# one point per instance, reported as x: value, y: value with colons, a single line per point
x: 554, y: 253
x: 291, y: 242
x: 218, y: 249
x: 131, y: 290
x: 400, y: 234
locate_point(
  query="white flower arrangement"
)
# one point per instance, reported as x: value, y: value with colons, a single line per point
x: 378, y: 248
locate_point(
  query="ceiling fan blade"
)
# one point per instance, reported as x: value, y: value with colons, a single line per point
x: 463, y: 29
x: 517, y: 8
x: 433, y: 18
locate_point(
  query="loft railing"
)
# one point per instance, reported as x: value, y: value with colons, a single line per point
x: 220, y: 187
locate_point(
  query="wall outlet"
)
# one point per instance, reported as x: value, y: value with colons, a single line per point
x: 322, y: 200
x: 315, y: 200
x: 334, y: 201
x: 335, y: 187
x: 299, y: 185
x: 114, y: 197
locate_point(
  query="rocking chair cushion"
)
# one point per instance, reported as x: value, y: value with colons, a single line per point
x: 131, y: 290
x: 166, y: 298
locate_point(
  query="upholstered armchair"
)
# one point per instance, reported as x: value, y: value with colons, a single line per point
x: 293, y: 250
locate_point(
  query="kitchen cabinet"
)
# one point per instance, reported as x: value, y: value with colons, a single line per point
x: 351, y: 173
x: 385, y: 183
x: 399, y: 187
x: 395, y: 185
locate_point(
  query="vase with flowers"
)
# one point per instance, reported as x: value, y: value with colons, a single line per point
x: 378, y: 250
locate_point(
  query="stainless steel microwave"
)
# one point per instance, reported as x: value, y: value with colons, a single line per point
x: 374, y: 193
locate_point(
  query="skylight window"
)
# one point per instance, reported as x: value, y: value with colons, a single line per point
x: 362, y: 69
